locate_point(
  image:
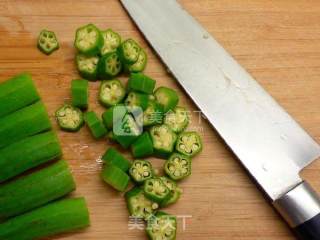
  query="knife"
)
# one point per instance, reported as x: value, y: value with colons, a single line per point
x: 272, y: 147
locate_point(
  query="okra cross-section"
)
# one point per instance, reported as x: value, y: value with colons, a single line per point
x: 135, y: 99
x: 177, y: 119
x: 69, y: 118
x: 162, y: 226
x: 95, y: 125
x: 115, y: 177
x: 141, y: 170
x: 109, y: 66
x: 178, y: 166
x: 167, y: 97
x: 189, y: 143
x: 111, y: 41
x: 141, y: 83
x: 156, y: 190
x: 129, y: 51
x: 88, y: 40
x: 111, y: 92
x: 80, y: 93
x: 47, y: 42
x: 163, y: 139
x: 87, y: 66
x: 140, y: 64
x: 153, y: 114
x: 175, y: 191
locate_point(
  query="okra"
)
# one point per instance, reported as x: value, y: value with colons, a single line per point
x: 111, y: 92
x: 138, y: 205
x: 175, y: 191
x: 112, y: 156
x: 16, y: 93
x: 88, y: 40
x: 109, y: 118
x: 69, y: 118
x: 155, y: 190
x: 189, y: 143
x: 109, y: 66
x: 80, y: 93
x: 141, y: 83
x: 95, y: 125
x: 141, y: 170
x: 115, y: 177
x: 163, y: 139
x: 135, y: 99
x: 153, y: 114
x: 178, y: 166
x: 35, y: 189
x: 58, y: 217
x: 177, y: 119
x: 111, y: 41
x: 129, y: 51
x: 28, y: 153
x: 111, y: 137
x: 47, y: 42
x: 167, y: 97
x: 140, y: 64
x: 87, y: 66
x: 143, y: 146
x: 162, y: 226
x: 23, y: 123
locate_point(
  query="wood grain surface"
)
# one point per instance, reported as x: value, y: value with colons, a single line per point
x: 278, y: 42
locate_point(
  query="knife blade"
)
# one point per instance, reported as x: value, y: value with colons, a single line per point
x: 264, y: 137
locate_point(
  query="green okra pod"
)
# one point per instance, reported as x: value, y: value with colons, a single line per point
x: 69, y: 118
x: 141, y: 170
x: 135, y: 99
x: 141, y: 83
x: 36, y: 189
x: 87, y: 66
x: 167, y: 97
x: 95, y: 125
x: 47, y: 42
x: 178, y: 166
x: 109, y: 66
x: 175, y: 191
x: 111, y: 41
x: 129, y: 51
x: 111, y: 92
x: 115, y: 177
x: 162, y: 226
x: 177, y: 119
x: 189, y: 144
x: 142, y: 147
x: 112, y: 156
x: 155, y: 190
x: 140, y: 64
x: 80, y: 93
x: 88, y: 40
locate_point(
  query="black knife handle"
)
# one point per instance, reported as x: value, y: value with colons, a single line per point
x: 300, y: 207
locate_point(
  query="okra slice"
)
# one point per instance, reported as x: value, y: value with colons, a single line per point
x: 163, y: 139
x: 111, y: 93
x: 88, y: 40
x: 141, y: 83
x: 95, y: 125
x: 109, y: 118
x: 140, y: 64
x: 110, y: 136
x: 87, y: 66
x: 23, y: 123
x: 115, y: 177
x: 138, y: 205
x: 141, y: 170
x: 153, y: 114
x: 175, y: 191
x: 112, y: 156
x: 47, y: 42
x: 35, y: 189
x: 167, y: 97
x: 62, y: 216
x: 80, y: 93
x: 155, y: 190
x: 162, y: 226
x: 142, y: 147
x: 178, y: 166
x: 135, y: 99
x: 109, y: 66
x: 129, y: 51
x: 111, y: 41
x: 177, y: 119
x: 69, y: 118
x: 189, y: 143
x: 16, y: 93
x: 28, y: 153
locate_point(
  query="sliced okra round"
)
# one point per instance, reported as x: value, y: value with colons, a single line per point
x: 111, y: 92
x: 80, y: 93
x: 47, y: 42
x: 142, y: 147
x: 88, y: 40
x: 129, y: 51
x: 69, y: 118
x: 87, y: 66
x: 153, y: 114
x: 109, y: 66
x: 167, y: 97
x: 162, y: 226
x: 177, y: 119
x: 178, y: 166
x: 95, y: 125
x: 111, y: 41
x: 156, y: 190
x: 189, y: 143
x: 140, y: 64
x: 141, y: 170
x: 175, y: 191
x: 135, y: 99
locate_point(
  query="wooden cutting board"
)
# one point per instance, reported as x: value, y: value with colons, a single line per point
x: 278, y: 42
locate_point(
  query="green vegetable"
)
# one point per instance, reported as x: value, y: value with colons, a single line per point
x: 177, y: 119
x: 175, y: 191
x: 167, y: 97
x: 80, y: 93
x: 178, y: 166
x: 16, y: 93
x: 107, y: 116
x: 140, y: 64
x: 189, y: 144
x: 35, y: 189
x: 141, y: 170
x: 58, y: 217
x: 156, y: 190
x: 88, y: 40
x: 110, y: 136
x: 28, y: 153
x: 69, y: 118
x: 129, y: 51
x: 95, y: 125
x: 135, y: 99
x: 23, y: 123
x: 153, y: 114
x: 141, y: 83
x: 112, y: 156
x: 115, y: 177
x: 163, y: 139
x: 138, y: 205
x: 87, y: 66
x: 47, y: 42
x: 111, y: 41
x: 143, y: 146
x: 162, y: 226
x: 111, y: 92
x: 109, y: 66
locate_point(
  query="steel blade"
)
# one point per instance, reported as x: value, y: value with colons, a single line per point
x: 268, y: 142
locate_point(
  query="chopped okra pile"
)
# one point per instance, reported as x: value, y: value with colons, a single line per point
x: 140, y: 117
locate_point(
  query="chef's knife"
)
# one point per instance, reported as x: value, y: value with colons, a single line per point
x: 267, y: 141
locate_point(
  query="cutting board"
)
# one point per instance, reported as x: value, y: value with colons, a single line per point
x: 278, y: 42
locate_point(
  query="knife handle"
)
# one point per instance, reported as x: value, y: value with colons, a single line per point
x: 301, y: 209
